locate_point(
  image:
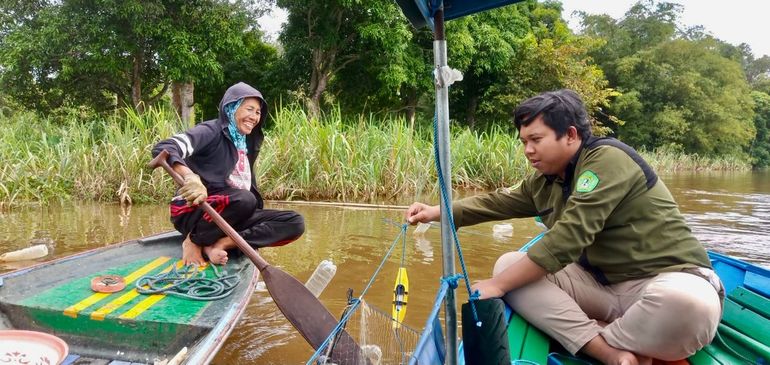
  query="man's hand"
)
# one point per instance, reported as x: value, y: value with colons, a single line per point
x: 487, y: 289
x: 422, y: 213
x: 193, y: 190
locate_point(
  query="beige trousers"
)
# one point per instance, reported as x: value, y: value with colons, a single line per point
x: 669, y: 316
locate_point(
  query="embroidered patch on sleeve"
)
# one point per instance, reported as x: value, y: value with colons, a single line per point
x: 587, y: 182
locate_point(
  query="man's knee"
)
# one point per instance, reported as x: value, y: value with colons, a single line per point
x: 696, y: 305
x: 676, y: 317
x: 507, y: 259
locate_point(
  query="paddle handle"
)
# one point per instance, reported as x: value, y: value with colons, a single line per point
x: 161, y: 160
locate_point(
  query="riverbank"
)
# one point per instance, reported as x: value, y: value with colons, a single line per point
x: 78, y: 156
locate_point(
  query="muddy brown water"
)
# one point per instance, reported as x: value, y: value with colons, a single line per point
x: 728, y: 212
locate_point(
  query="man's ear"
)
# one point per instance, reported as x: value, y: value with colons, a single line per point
x: 572, y: 134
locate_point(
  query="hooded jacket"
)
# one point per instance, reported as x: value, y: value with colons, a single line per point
x: 209, y: 151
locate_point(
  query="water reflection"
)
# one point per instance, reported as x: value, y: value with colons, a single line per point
x: 728, y: 213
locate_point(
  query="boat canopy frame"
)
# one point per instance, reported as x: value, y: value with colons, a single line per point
x: 433, y: 13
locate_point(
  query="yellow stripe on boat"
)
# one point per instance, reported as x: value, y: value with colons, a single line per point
x: 99, y: 314
x: 145, y: 304
x: 73, y: 310
x: 142, y: 306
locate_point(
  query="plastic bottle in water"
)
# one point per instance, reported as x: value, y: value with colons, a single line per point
x: 504, y: 230
x: 321, y: 277
x: 29, y: 253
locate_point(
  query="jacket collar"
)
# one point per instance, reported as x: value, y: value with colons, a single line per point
x: 569, y: 171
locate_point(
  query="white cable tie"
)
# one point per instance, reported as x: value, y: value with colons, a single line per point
x: 446, y: 76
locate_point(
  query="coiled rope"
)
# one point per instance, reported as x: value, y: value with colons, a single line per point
x: 188, y: 282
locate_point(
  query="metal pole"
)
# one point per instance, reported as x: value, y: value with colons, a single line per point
x: 442, y: 115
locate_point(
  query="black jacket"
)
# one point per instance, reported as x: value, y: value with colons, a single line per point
x: 208, y: 150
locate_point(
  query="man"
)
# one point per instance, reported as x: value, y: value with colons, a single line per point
x: 619, y: 275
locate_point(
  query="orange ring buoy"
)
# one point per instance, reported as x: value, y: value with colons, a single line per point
x: 108, y: 284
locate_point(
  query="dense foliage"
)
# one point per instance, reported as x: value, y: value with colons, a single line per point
x: 644, y: 79
x: 112, y: 53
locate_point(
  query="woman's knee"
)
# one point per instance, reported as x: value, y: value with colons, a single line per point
x: 242, y: 201
x: 507, y: 259
x: 297, y: 223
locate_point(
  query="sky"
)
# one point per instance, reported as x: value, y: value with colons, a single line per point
x: 735, y: 21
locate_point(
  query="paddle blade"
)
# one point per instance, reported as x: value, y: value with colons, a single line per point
x: 311, y: 319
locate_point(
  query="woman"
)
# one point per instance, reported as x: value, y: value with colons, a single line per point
x: 216, y: 158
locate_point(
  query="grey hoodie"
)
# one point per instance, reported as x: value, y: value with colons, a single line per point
x: 207, y: 148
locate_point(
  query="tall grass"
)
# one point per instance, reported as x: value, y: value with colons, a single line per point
x: 664, y: 160
x: 364, y: 158
x: 73, y: 158
x: 374, y: 159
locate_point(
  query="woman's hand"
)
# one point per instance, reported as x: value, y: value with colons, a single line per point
x: 422, y: 213
x: 193, y: 189
x: 487, y: 289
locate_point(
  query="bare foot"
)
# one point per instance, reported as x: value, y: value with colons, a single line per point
x: 217, y: 252
x: 625, y: 358
x: 600, y: 350
x: 192, y: 253
x: 644, y: 360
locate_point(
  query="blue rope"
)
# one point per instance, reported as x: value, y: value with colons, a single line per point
x: 403, y: 247
x: 532, y: 242
x: 452, y: 280
x: 451, y: 220
x: 357, y: 301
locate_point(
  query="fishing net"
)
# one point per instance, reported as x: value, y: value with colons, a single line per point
x: 382, y: 340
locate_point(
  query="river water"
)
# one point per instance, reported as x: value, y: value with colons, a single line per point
x: 728, y: 212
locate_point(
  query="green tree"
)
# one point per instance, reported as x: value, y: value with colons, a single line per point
x: 482, y: 47
x: 684, y: 94
x: 646, y: 24
x: 542, y: 54
x: 112, y: 52
x: 760, y: 148
x: 681, y: 89
x: 255, y: 65
x: 321, y: 38
x: 392, y: 73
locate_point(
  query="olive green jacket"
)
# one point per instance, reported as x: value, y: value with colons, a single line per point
x: 611, y: 214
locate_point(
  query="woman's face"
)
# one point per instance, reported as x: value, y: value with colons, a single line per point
x: 248, y: 115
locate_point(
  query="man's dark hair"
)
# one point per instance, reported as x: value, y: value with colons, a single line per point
x: 560, y: 109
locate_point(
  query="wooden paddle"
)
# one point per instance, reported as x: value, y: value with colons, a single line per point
x: 305, y: 312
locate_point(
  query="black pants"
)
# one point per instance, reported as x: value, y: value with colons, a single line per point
x: 259, y: 227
